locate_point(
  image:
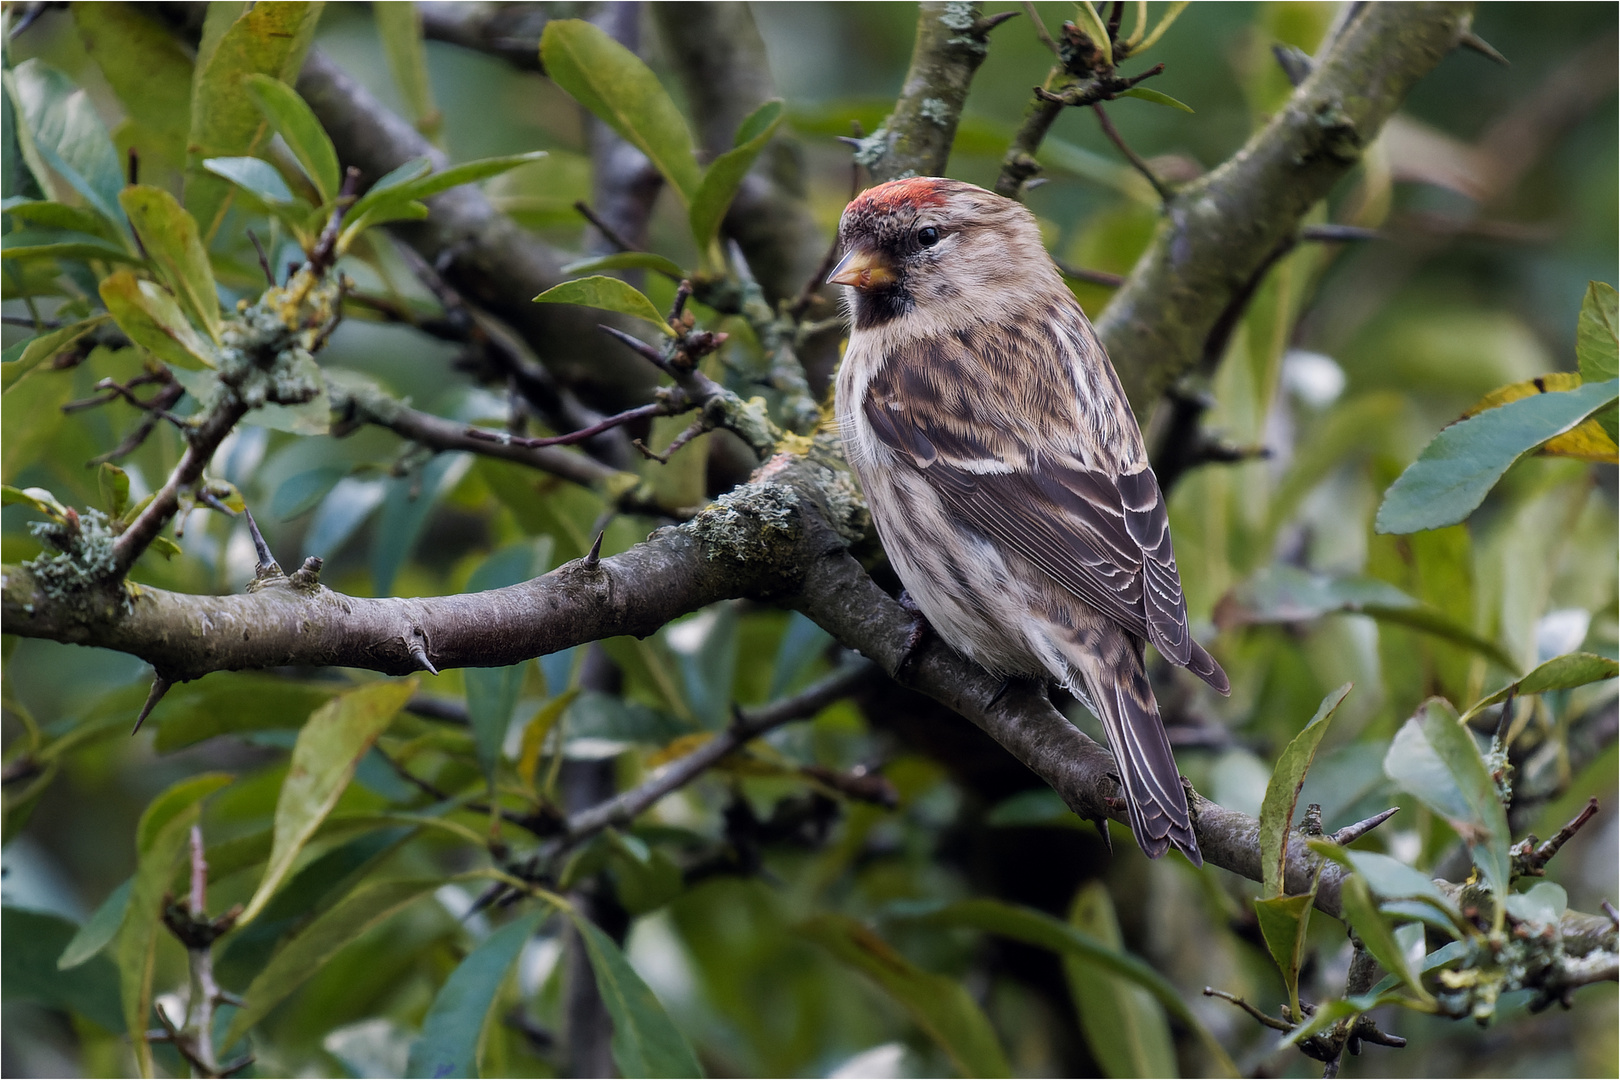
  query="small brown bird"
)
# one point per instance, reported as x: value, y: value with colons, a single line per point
x: 1006, y: 473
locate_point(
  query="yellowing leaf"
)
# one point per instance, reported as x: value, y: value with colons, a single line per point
x: 148, y: 313
x: 1587, y: 441
x: 170, y: 237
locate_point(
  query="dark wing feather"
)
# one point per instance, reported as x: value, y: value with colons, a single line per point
x: 1105, y: 538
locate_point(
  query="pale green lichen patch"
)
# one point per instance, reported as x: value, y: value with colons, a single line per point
x: 958, y: 16
x: 83, y: 559
x: 758, y: 522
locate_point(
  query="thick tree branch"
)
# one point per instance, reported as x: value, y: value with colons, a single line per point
x: 507, y: 30
x: 915, y: 140
x: 1220, y: 228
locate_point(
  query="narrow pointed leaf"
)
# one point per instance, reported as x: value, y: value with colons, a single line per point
x: 399, y: 26
x: 324, y: 758
x: 255, y: 176
x: 263, y: 39
x: 1376, y: 933
x: 98, y: 932
x: 68, y: 137
x: 608, y: 294
x: 153, y: 320
x: 1282, y: 793
x: 645, y: 1041
x: 939, y: 1005
x: 492, y: 692
x: 1560, y: 673
x: 1158, y: 98
x: 1434, y: 757
x: 304, y: 954
x: 1458, y: 469
x: 1283, y: 923
x: 170, y: 237
x: 33, y: 941
x: 725, y: 174
x: 613, y: 83
x: 296, y: 124
x: 627, y: 260
x: 43, y: 348
x: 407, y: 184
x: 455, y: 1022
x: 1124, y: 1026
x: 1044, y: 931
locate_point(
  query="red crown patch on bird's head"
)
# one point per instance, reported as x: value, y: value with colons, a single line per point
x: 910, y: 193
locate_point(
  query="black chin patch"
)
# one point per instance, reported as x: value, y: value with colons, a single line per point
x: 874, y: 307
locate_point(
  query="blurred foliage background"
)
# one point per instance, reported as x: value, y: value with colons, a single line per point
x: 1494, y: 191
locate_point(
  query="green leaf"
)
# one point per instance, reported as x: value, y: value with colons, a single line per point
x: 114, y: 485
x: 1376, y: 933
x: 1124, y: 1026
x: 1289, y: 594
x: 28, y: 970
x: 1543, y: 906
x: 400, y: 28
x: 1458, y: 469
x: 645, y: 1041
x: 292, y: 119
x: 1434, y: 757
x: 170, y: 237
x: 725, y: 174
x: 1157, y: 98
x: 265, y: 39
x: 99, y: 931
x: 1089, y: 23
x: 644, y: 878
x: 613, y: 83
x: 455, y: 1022
x: 39, y: 498
x: 328, y: 750
x: 69, y: 251
x: 302, y: 492
x: 608, y: 294
x: 627, y: 260
x: 411, y: 185
x: 1326, y: 1015
x: 1282, y: 792
x: 45, y: 347
x: 255, y: 176
x: 492, y: 692
x: 150, y: 69
x: 1560, y: 673
x: 1283, y: 922
x: 940, y: 1006
x: 1390, y: 878
x: 235, y: 702
x: 68, y: 137
x: 1597, y: 348
x: 1042, y: 930
x: 304, y: 954
x: 153, y: 320
x: 54, y: 215
x: 161, y: 837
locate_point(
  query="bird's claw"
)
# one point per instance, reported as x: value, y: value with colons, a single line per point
x: 916, y: 635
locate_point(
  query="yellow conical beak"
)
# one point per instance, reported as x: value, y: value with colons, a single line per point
x: 863, y: 270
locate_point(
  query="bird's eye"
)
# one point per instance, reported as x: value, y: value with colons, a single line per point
x: 928, y: 237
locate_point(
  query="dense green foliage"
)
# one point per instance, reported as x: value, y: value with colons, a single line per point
x: 876, y: 888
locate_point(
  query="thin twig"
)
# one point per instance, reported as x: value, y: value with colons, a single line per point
x: 1130, y: 155
x: 657, y: 408
x: 609, y: 233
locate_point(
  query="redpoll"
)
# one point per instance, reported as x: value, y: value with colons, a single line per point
x: 1006, y: 473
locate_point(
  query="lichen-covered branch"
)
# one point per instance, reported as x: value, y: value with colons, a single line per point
x: 484, y: 254
x: 915, y: 140
x: 1220, y: 228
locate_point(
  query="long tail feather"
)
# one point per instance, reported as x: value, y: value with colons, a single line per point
x: 1116, y: 684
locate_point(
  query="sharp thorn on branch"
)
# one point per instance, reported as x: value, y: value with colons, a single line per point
x: 1333, y: 234
x: 1091, y: 277
x: 266, y: 565
x: 1614, y: 915
x: 1351, y: 833
x: 1473, y: 41
x: 308, y: 575
x: 850, y: 141
x: 160, y: 686
x: 1296, y: 64
x: 593, y: 557
x: 419, y: 654
x: 1504, y: 721
x: 1269, y: 1021
x: 990, y: 22
x: 641, y: 348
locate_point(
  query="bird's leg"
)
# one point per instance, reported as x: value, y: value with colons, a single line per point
x: 916, y: 635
